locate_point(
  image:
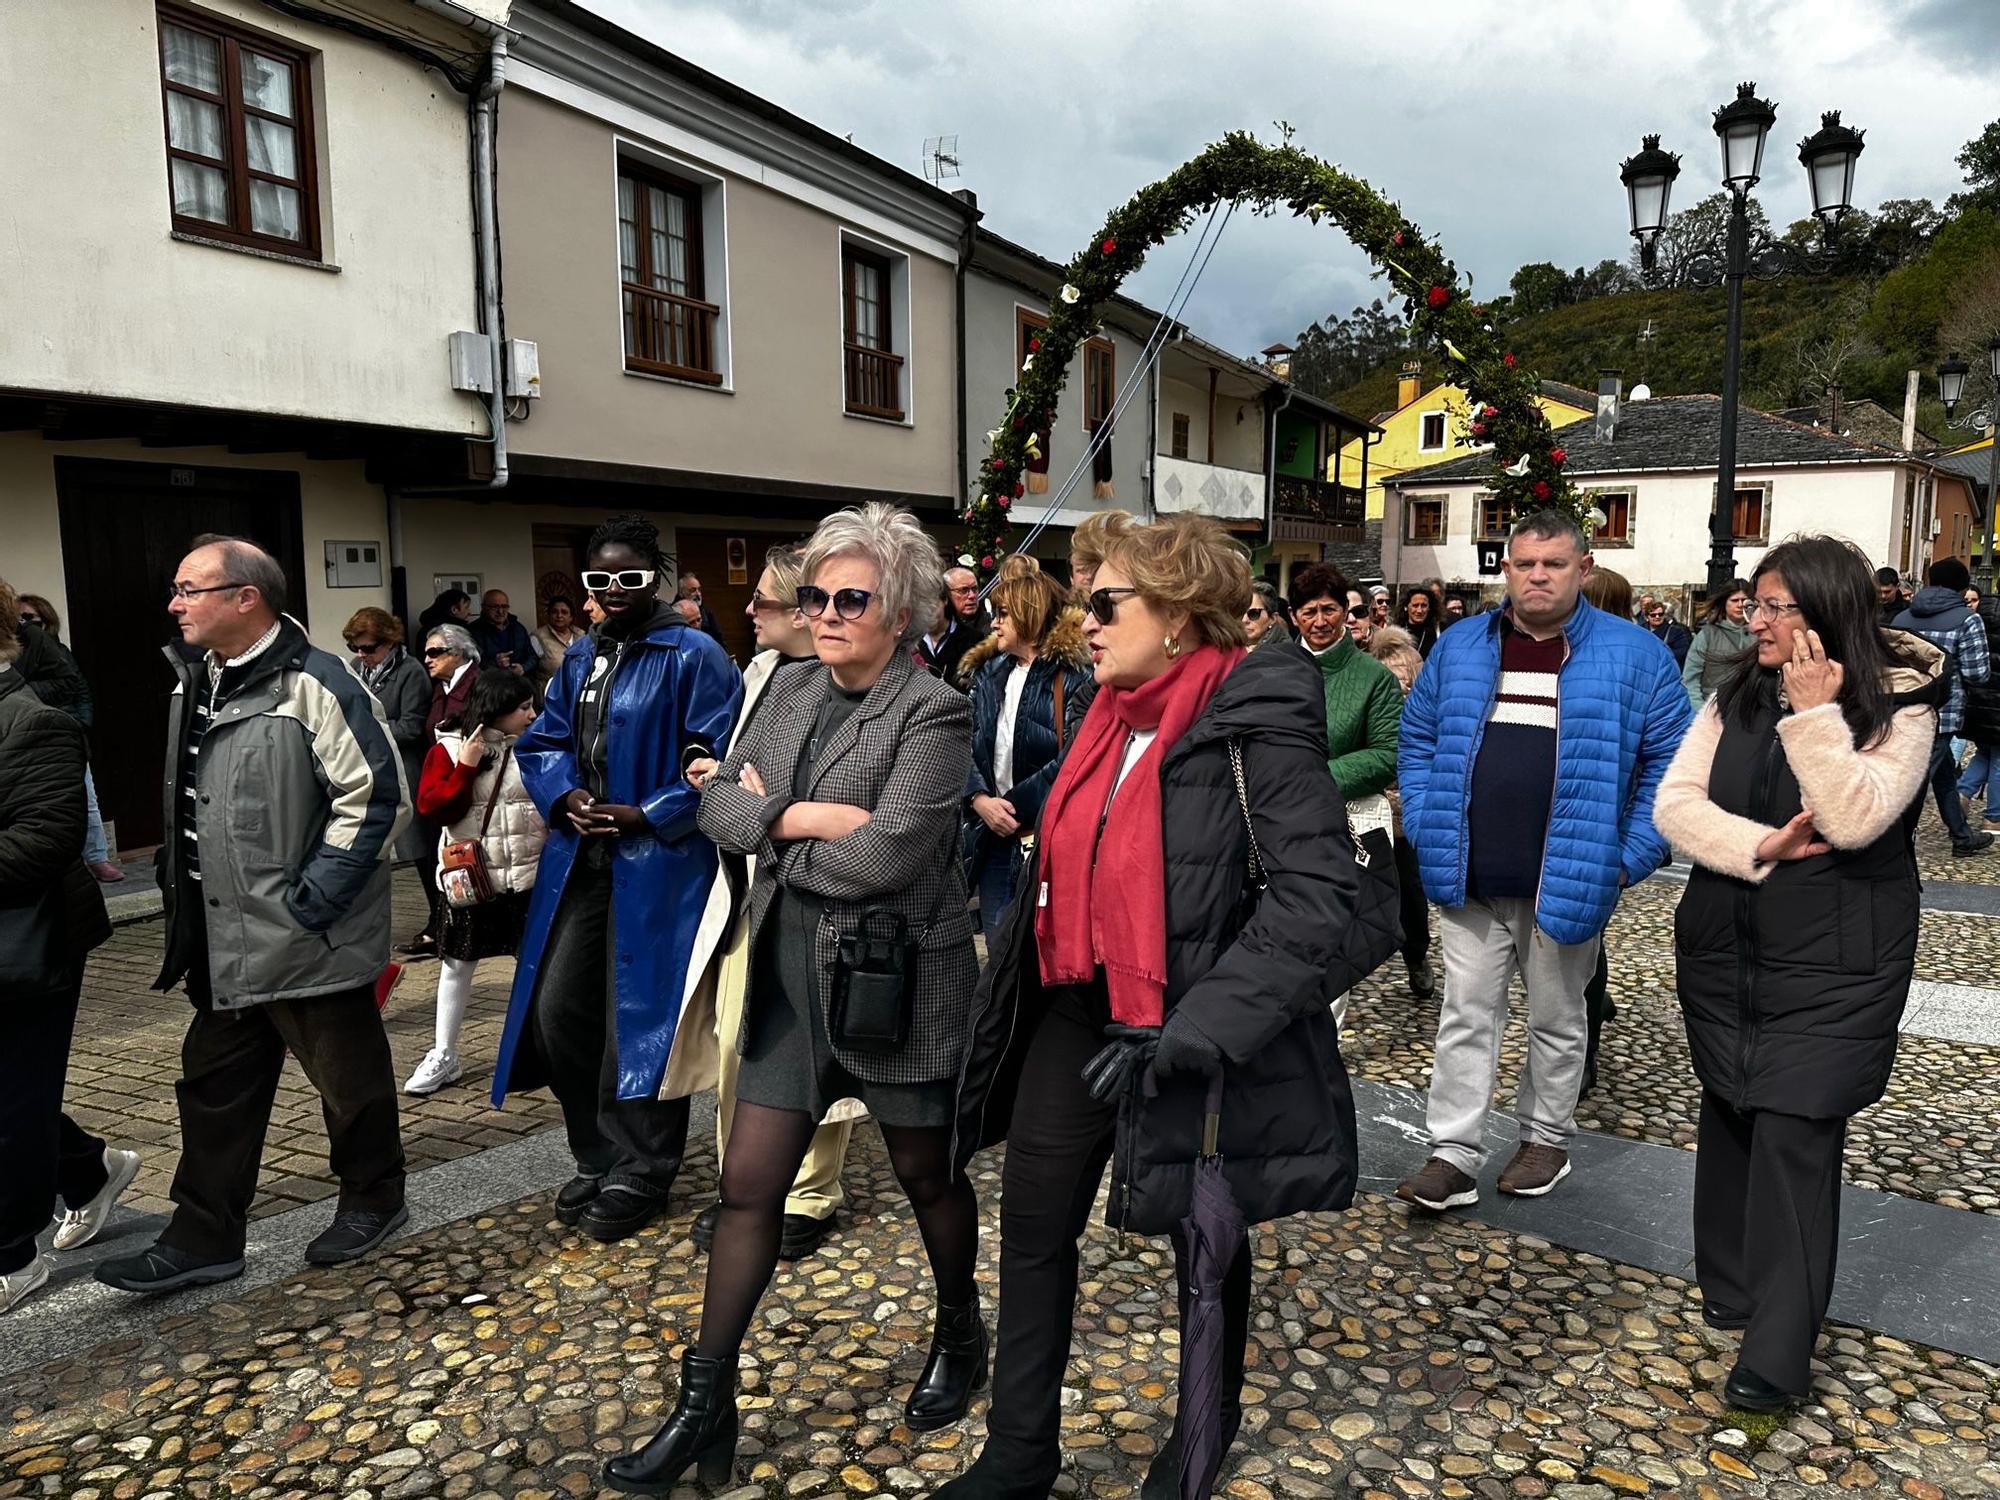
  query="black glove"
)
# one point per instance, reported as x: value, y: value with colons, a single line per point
x: 1114, y: 1068
x: 1183, y: 1049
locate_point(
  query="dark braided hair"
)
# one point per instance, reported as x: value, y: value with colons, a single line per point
x: 636, y: 532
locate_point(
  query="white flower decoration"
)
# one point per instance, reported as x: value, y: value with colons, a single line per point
x: 1070, y: 294
x: 1028, y: 363
x: 1596, y: 517
x: 1517, y: 468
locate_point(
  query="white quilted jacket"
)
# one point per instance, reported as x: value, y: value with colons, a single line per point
x: 514, y: 838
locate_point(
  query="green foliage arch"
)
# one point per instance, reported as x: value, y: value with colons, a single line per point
x: 1500, y: 390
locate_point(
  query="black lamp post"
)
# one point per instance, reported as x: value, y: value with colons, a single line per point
x: 1951, y: 375
x: 1740, y: 126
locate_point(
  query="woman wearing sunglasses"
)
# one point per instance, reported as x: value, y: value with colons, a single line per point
x: 846, y: 788
x: 1152, y: 974
x: 398, y: 682
x: 1796, y: 793
x: 609, y: 955
x: 1030, y: 682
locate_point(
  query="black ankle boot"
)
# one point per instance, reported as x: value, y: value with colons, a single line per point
x: 702, y: 1430
x: 1163, y: 1476
x: 956, y: 1368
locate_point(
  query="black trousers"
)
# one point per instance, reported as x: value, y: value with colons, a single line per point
x: 230, y: 1064
x: 427, y: 873
x: 1767, y: 1232
x: 1056, y: 1150
x: 1598, y: 1005
x: 46, y: 1153
x: 1416, y: 910
x: 632, y: 1143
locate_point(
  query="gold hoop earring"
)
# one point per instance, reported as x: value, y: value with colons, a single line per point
x: 1173, y: 646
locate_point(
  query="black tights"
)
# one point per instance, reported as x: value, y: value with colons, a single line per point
x: 765, y: 1148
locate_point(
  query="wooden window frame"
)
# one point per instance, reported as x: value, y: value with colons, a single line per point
x: 1631, y: 496
x: 854, y: 353
x: 1098, y: 351
x: 695, y: 299
x: 1762, y: 536
x: 1410, y: 509
x: 232, y: 36
x: 1182, y: 429
x: 1444, y: 432
x: 1486, y: 532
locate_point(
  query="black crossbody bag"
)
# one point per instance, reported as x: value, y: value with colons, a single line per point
x: 871, y: 997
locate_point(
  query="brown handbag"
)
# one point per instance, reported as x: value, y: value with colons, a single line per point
x: 466, y: 879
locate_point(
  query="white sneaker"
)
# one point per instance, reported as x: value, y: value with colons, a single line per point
x: 17, y: 1288
x: 82, y: 1225
x: 438, y: 1068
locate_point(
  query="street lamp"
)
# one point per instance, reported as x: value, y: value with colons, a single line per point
x: 1951, y: 375
x: 1741, y: 127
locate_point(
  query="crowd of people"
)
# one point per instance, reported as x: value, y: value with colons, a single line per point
x: 1186, y: 813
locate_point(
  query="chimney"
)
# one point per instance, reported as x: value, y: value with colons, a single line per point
x: 1410, y: 384
x: 966, y: 196
x: 1910, y: 411
x: 1610, y: 398
x: 1834, y: 408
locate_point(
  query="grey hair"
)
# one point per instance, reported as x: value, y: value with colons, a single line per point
x: 1552, y: 526
x: 903, y: 553
x: 246, y: 563
x: 787, y: 564
x: 454, y: 638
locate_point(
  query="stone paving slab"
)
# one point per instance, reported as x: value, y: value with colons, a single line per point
x: 501, y: 1355
x: 1953, y: 1012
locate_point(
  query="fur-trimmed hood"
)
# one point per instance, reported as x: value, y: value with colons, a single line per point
x: 1065, y: 645
x: 1918, y: 662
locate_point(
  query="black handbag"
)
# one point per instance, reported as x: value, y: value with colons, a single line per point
x: 1376, y: 928
x: 869, y: 1000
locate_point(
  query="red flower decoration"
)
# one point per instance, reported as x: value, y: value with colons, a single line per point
x: 1020, y: 490
x: 1558, y: 457
x: 1034, y: 346
x: 1542, y: 490
x: 1438, y: 296
x: 1479, y: 429
x: 1003, y: 502
x: 986, y: 561
x: 1108, y: 246
x: 1508, y: 359
x: 1396, y: 238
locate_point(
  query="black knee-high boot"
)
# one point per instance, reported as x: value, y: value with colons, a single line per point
x: 702, y: 1430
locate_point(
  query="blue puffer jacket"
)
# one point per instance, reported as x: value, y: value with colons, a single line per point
x: 1623, y: 712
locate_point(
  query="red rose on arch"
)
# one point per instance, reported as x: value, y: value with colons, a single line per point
x: 1558, y: 457
x: 986, y: 561
x: 1020, y: 490
x: 1109, y: 246
x: 1034, y: 346
x: 1508, y: 359
x: 1003, y: 502
x: 1438, y: 296
x: 1542, y: 490
x: 1479, y: 429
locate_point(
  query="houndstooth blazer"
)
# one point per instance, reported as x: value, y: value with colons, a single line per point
x: 904, y: 755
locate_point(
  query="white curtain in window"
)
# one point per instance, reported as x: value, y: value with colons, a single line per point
x: 200, y: 192
x: 668, y: 212
x: 273, y: 147
x: 191, y: 58
x: 194, y: 125
x: 867, y: 305
x: 267, y: 82
x: 628, y: 231
x: 274, y: 210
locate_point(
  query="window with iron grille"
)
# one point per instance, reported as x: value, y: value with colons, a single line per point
x: 669, y: 323
x: 874, y: 368
x: 240, y: 156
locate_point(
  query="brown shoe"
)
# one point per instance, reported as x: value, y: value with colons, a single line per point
x: 1438, y: 1187
x: 1534, y: 1170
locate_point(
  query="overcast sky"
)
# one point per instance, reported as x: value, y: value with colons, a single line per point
x: 1498, y: 127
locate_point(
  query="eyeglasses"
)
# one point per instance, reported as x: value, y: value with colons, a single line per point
x: 432, y: 653
x: 849, y: 604
x: 762, y: 605
x: 1103, y: 604
x: 188, y: 591
x: 1255, y: 614
x: 1318, y: 611
x: 1755, y: 607
x: 629, y: 579
x: 364, y: 648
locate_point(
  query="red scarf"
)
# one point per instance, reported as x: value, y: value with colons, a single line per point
x: 1104, y: 900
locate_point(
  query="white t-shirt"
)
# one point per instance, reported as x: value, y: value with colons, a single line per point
x: 1135, y: 746
x: 1003, y: 731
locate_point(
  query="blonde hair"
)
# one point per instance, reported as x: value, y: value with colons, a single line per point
x: 1032, y: 599
x: 1094, y: 535
x: 906, y: 559
x: 1609, y: 591
x: 1188, y: 564
x: 1391, y: 643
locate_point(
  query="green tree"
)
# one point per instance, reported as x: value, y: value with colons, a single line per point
x: 1980, y: 162
x: 1913, y: 300
x: 1538, y: 287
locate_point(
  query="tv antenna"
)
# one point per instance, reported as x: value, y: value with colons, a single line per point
x: 940, y: 158
x: 1645, y: 337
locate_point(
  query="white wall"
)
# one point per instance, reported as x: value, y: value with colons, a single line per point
x: 1238, y: 445
x: 1670, y: 522
x: 96, y: 297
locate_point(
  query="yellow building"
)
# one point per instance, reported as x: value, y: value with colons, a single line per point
x: 1429, y: 426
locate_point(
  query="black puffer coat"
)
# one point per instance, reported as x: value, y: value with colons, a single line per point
x: 1038, y: 744
x: 1259, y: 992
x: 51, y: 910
x: 1982, y: 699
x: 1792, y: 989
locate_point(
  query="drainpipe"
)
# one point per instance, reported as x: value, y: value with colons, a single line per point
x: 486, y: 219
x: 1272, y: 408
x: 962, y: 490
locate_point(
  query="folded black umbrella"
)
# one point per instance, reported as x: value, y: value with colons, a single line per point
x: 1214, y: 1235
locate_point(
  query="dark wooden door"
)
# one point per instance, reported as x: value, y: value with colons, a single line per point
x: 559, y: 560
x: 706, y: 554
x: 125, y: 528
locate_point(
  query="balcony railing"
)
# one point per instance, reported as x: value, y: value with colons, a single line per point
x: 874, y: 382
x: 667, y: 334
x: 1228, y: 495
x: 1320, y: 501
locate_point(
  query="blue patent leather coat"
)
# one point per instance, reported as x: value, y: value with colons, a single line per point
x: 673, y: 688
x: 1623, y: 712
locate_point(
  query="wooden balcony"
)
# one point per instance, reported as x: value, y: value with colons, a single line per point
x: 1316, y: 510
x: 670, y: 335
x: 874, y: 383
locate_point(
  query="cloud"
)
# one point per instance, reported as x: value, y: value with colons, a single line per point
x: 1504, y: 141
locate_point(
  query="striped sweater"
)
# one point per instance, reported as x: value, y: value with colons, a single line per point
x: 1514, y: 779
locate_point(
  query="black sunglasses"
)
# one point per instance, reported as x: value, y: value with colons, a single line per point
x: 849, y: 604
x: 431, y: 653
x: 362, y: 648
x: 1255, y: 614
x: 1103, y: 604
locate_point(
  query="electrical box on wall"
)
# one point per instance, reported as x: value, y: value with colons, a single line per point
x: 524, y: 369
x: 354, y: 565
x: 471, y: 363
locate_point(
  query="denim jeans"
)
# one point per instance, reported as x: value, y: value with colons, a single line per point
x: 1981, y: 779
x: 1944, y: 786
x: 96, y: 850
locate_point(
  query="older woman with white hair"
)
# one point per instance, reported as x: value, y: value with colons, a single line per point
x: 846, y: 788
x: 451, y: 660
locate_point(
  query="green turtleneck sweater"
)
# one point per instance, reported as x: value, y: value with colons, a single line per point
x: 1364, y: 712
